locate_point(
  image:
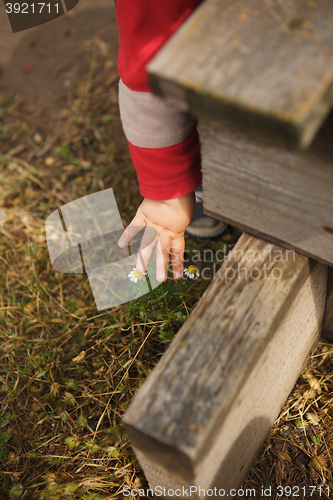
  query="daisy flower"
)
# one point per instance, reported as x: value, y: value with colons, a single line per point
x: 134, y: 275
x: 191, y: 272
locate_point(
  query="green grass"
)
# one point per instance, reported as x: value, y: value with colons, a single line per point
x: 69, y: 372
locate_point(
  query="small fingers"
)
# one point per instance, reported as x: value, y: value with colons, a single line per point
x: 146, y: 247
x: 163, y: 247
x: 177, y: 256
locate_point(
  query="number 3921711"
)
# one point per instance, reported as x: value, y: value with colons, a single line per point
x: 32, y: 8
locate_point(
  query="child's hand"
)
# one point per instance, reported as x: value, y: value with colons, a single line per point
x: 169, y: 218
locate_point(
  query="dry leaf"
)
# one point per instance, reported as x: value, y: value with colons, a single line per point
x: 80, y: 357
x: 63, y: 113
x: 49, y: 161
x: 319, y: 463
x: 29, y: 68
x: 313, y: 418
x: 38, y: 138
x: 309, y: 394
x: 30, y: 307
x: 69, y: 399
x: 80, y: 303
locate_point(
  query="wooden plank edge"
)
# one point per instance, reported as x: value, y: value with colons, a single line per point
x: 264, y: 236
x: 286, y: 134
x: 327, y: 332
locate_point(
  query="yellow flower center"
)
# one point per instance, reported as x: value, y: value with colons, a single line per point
x: 137, y: 274
x: 192, y: 269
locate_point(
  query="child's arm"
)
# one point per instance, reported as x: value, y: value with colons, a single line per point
x: 163, y: 140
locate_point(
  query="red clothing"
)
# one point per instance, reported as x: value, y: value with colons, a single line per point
x: 144, y: 26
x: 166, y: 173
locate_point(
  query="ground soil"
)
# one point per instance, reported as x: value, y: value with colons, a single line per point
x: 39, y: 63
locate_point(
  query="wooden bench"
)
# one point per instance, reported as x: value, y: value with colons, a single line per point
x: 259, y: 78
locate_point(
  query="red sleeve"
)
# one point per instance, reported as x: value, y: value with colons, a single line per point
x: 144, y: 26
x: 170, y: 172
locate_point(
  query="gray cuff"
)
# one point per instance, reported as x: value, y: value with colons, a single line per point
x: 151, y: 122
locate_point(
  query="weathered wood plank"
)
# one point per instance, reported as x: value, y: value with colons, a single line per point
x: 328, y: 320
x: 284, y: 196
x: 260, y: 64
x: 208, y: 405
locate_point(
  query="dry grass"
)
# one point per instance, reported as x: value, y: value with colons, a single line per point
x: 68, y: 374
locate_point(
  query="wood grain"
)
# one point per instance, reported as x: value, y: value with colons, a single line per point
x: 262, y: 65
x: 221, y: 359
x: 283, y: 196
